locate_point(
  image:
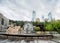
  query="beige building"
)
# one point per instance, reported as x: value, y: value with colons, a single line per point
x: 4, y: 22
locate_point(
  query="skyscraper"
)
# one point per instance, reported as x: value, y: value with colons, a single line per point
x: 33, y: 15
x: 50, y: 16
x: 43, y: 18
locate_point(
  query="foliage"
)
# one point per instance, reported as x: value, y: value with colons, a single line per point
x: 57, y: 26
x: 36, y: 23
x: 49, y: 27
x: 18, y: 23
x: 53, y: 25
x: 37, y: 28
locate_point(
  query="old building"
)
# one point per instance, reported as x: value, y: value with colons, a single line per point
x: 28, y: 27
x: 4, y: 22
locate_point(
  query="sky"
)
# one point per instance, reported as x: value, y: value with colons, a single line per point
x: 21, y: 10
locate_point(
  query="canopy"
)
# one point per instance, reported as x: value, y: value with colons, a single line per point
x: 21, y: 10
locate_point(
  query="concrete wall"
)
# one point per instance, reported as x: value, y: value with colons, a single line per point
x: 6, y: 22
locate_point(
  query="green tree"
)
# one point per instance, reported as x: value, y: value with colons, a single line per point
x: 37, y: 28
x: 57, y: 26
x: 49, y: 27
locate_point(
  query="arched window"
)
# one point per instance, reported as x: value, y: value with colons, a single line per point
x: 2, y: 21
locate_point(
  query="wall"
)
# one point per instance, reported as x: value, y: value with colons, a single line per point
x: 6, y: 22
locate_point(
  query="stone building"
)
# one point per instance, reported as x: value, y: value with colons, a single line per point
x: 4, y: 22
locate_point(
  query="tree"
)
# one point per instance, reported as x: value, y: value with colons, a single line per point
x: 37, y: 28
x: 49, y: 27
x: 57, y: 26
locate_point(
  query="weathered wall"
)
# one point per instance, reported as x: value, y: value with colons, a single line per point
x: 6, y: 22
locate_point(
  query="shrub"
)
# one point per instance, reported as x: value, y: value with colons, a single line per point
x: 37, y: 28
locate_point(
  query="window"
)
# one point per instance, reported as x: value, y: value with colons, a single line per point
x: 2, y: 21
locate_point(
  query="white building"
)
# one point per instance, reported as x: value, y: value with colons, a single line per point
x: 4, y: 22
x: 28, y: 27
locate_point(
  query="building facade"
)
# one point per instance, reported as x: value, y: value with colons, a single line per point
x: 4, y: 22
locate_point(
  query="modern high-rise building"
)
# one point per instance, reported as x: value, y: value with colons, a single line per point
x: 50, y: 16
x: 33, y: 15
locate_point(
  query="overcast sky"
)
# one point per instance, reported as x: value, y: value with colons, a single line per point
x: 22, y: 9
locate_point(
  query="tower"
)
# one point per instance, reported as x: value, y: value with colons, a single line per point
x: 43, y: 18
x: 33, y: 15
x: 50, y: 16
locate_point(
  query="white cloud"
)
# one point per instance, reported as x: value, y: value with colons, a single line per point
x: 22, y: 9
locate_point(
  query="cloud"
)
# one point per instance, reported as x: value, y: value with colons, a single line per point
x: 22, y: 9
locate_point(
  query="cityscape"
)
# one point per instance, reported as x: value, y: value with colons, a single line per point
x: 29, y: 21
